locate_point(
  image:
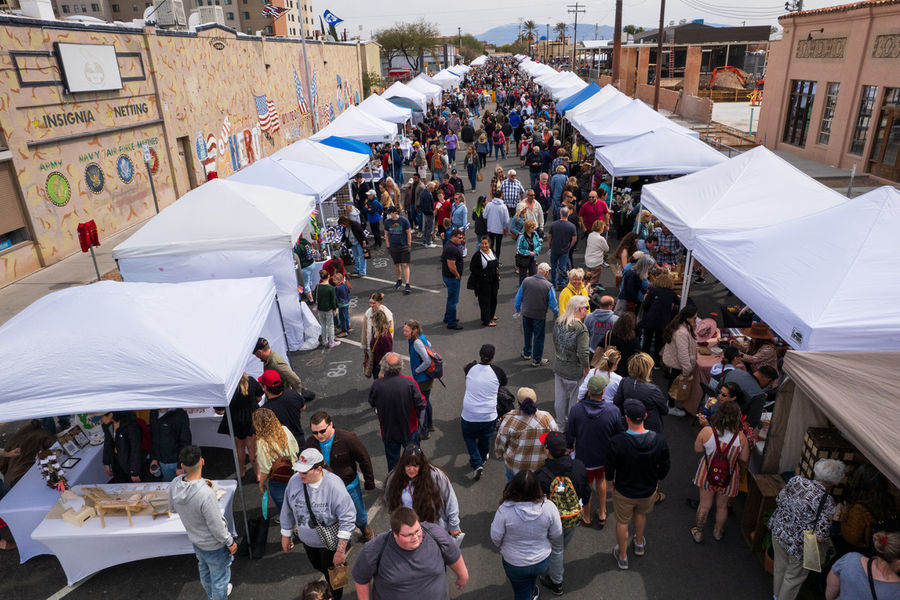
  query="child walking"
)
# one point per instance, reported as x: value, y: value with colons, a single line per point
x: 327, y: 307
x: 342, y: 291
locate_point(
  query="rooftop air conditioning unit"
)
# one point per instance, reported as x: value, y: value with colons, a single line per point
x: 170, y: 13
x: 211, y: 14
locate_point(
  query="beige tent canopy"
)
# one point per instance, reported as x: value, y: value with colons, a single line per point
x: 857, y: 392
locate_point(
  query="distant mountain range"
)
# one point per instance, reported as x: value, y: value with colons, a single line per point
x: 506, y: 34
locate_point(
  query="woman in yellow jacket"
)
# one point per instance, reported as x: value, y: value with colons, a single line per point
x: 576, y: 287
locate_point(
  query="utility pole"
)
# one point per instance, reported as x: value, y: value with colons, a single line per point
x: 459, y: 48
x: 659, y: 45
x: 547, y: 45
x: 617, y: 43
x: 575, y: 9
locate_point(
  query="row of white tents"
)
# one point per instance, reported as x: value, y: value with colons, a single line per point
x: 816, y: 266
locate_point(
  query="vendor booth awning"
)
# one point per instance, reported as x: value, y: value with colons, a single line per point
x: 359, y: 125
x: 607, y: 100
x: 227, y: 230
x: 401, y: 90
x: 130, y: 346
x: 446, y: 79
x: 292, y: 176
x: 380, y: 108
x: 431, y: 91
x: 347, y: 144
x: 633, y: 119
x: 838, y: 294
x: 479, y: 61
x: 663, y: 152
x: 406, y: 103
x: 573, y: 100
x: 324, y: 155
x: 856, y: 392
x: 565, y: 92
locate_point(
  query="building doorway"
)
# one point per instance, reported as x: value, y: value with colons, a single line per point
x: 186, y: 151
x: 885, y: 159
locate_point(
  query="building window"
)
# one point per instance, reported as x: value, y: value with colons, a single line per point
x: 95, y: 7
x: 866, y: 104
x: 245, y: 15
x: 831, y: 93
x: 229, y: 16
x: 84, y: 8
x: 74, y: 8
x: 148, y: 4
x: 798, y: 113
x: 65, y: 9
x: 228, y: 2
x: 115, y: 8
x: 886, y: 145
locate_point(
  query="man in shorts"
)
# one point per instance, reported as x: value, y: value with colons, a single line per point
x: 637, y: 460
x: 398, y: 238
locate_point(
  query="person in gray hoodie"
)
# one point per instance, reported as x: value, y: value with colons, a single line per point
x: 497, y: 218
x: 570, y: 337
x: 525, y: 528
x: 191, y: 497
x: 322, y: 493
x: 600, y: 321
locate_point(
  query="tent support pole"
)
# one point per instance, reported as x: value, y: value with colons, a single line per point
x: 283, y: 330
x: 238, y: 473
x: 686, y: 280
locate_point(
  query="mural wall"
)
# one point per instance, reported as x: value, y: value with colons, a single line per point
x: 204, y: 104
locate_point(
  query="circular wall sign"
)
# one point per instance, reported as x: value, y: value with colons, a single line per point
x: 58, y: 189
x: 94, y: 178
x: 125, y: 167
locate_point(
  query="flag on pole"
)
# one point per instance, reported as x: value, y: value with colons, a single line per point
x: 331, y: 18
x: 273, y: 11
x: 268, y: 116
x: 301, y: 101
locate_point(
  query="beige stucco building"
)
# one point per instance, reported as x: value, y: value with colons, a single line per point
x: 832, y: 91
x: 191, y: 98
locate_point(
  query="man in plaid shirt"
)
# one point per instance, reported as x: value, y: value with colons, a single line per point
x: 669, y: 249
x: 518, y: 439
x: 512, y: 191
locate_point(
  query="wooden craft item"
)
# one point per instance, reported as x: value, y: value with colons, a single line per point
x: 79, y: 518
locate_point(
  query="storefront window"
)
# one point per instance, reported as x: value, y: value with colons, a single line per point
x: 831, y: 93
x: 799, y: 110
x: 885, y: 159
x: 866, y: 103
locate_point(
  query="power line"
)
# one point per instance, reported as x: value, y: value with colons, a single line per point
x: 575, y: 9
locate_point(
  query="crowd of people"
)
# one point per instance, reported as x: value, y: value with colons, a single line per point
x: 605, y: 436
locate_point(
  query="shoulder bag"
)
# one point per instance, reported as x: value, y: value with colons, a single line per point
x: 282, y: 470
x: 327, y: 533
x: 813, y: 554
x: 871, y: 579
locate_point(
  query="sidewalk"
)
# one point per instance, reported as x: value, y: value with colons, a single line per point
x: 77, y: 269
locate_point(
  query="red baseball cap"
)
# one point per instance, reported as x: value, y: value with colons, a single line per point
x: 270, y: 378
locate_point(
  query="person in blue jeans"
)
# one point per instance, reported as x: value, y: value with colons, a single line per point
x: 479, y: 411
x: 345, y: 455
x: 197, y: 505
x: 273, y: 440
x: 451, y: 271
x: 395, y: 398
x: 419, y: 361
x: 525, y: 528
x: 342, y: 291
x: 535, y: 296
x: 397, y: 163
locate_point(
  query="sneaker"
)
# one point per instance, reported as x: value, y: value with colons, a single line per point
x: 407, y: 290
x: 228, y: 592
x: 556, y: 588
x: 622, y: 562
x: 526, y: 356
x: 456, y: 327
x: 700, y: 280
x: 479, y: 472
x: 334, y: 344
x: 398, y: 284
x: 540, y: 363
x: 605, y: 265
x: 677, y: 412
x: 639, y: 549
x: 536, y: 594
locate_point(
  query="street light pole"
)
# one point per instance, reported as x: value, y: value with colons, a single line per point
x: 659, y: 45
x: 315, y: 113
x: 617, y: 43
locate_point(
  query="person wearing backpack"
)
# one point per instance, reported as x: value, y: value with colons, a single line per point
x: 564, y: 481
x: 722, y: 444
x: 420, y: 360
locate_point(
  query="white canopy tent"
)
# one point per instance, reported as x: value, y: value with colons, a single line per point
x: 633, y: 119
x: 428, y: 79
x: 842, y: 294
x: 663, y: 152
x: 446, y: 79
x: 227, y: 230
x: 477, y: 62
x: 357, y: 124
x: 380, y: 108
x: 402, y: 90
x: 323, y: 155
x: 608, y: 99
x: 292, y: 176
x: 547, y: 77
x: 566, y: 80
x: 431, y: 91
x: 133, y: 346
x: 565, y: 92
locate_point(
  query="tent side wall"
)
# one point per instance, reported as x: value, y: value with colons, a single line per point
x: 237, y: 264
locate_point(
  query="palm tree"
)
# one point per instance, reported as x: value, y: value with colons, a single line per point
x: 529, y: 27
x: 560, y: 29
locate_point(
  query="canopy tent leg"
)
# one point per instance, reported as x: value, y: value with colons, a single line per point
x: 283, y: 329
x: 686, y: 282
x: 238, y: 473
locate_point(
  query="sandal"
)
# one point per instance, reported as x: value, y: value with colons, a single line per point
x: 601, y: 521
x: 492, y: 324
x: 697, y: 534
x: 718, y: 535
x: 660, y: 497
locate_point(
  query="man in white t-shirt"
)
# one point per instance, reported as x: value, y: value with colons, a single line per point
x: 479, y: 412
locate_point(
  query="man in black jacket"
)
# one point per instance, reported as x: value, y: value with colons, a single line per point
x: 170, y: 431
x: 560, y: 464
x: 400, y: 407
x: 637, y: 460
x: 123, y: 456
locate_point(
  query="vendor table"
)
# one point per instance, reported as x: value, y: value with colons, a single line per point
x: 373, y: 175
x: 85, y: 550
x: 205, y: 429
x: 29, y: 500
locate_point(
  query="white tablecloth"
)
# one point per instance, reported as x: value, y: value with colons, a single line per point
x: 373, y: 175
x: 85, y: 550
x: 205, y: 429
x: 29, y: 500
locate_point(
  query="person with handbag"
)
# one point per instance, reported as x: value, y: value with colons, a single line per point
x: 276, y: 450
x: 419, y: 361
x: 679, y: 355
x: 484, y: 280
x: 570, y: 340
x: 857, y: 576
x: 320, y: 511
x: 802, y: 519
x: 528, y: 246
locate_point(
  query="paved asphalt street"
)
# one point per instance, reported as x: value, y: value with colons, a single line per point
x: 674, y: 566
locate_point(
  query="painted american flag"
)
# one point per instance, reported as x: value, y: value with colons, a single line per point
x: 326, y: 115
x: 268, y: 116
x: 314, y: 91
x: 301, y: 101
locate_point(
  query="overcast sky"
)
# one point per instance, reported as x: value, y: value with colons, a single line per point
x: 477, y: 16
